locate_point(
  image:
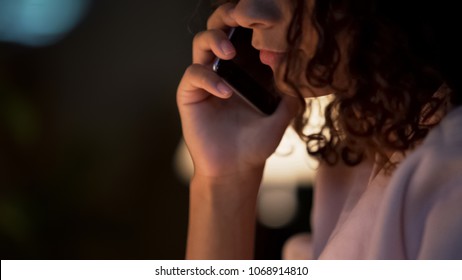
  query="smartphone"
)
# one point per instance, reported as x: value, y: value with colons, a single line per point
x: 247, y: 75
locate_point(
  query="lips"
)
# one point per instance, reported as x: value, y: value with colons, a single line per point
x: 271, y: 58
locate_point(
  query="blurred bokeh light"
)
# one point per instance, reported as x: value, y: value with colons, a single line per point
x: 88, y: 127
x: 39, y: 22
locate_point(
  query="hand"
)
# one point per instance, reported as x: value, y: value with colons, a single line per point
x: 224, y: 136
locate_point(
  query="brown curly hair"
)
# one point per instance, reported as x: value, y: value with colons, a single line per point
x: 397, y: 56
x: 402, y: 66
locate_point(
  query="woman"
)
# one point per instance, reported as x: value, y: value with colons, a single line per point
x: 384, y: 189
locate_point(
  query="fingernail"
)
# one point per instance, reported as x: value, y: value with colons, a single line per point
x: 227, y: 48
x: 224, y: 89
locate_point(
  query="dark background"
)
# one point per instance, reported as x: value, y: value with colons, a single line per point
x: 88, y: 130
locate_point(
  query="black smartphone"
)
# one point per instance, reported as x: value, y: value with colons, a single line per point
x: 247, y: 75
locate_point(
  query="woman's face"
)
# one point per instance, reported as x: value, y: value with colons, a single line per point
x: 270, y: 20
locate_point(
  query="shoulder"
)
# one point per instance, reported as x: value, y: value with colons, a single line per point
x: 437, y: 164
x: 433, y: 205
x: 435, y: 168
x: 432, y: 176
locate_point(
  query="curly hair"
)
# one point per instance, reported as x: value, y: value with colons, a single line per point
x: 397, y: 58
x: 402, y: 61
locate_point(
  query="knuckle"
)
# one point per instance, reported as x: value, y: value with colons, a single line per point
x: 223, y: 9
x: 215, y: 15
x: 198, y: 37
x: 190, y: 71
x: 198, y: 73
x: 210, y: 21
x: 219, y: 13
x: 207, y: 36
x: 208, y: 39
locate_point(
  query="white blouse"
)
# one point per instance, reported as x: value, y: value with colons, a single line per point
x: 362, y: 213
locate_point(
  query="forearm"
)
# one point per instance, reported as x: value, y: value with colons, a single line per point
x: 222, y: 217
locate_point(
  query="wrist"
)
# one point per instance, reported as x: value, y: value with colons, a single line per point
x: 231, y: 191
x: 247, y: 180
x: 222, y: 216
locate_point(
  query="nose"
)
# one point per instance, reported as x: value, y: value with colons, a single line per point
x: 257, y: 13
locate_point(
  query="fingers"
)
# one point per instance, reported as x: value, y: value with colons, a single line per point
x: 198, y: 83
x: 222, y: 17
x: 211, y: 43
x: 214, y: 41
